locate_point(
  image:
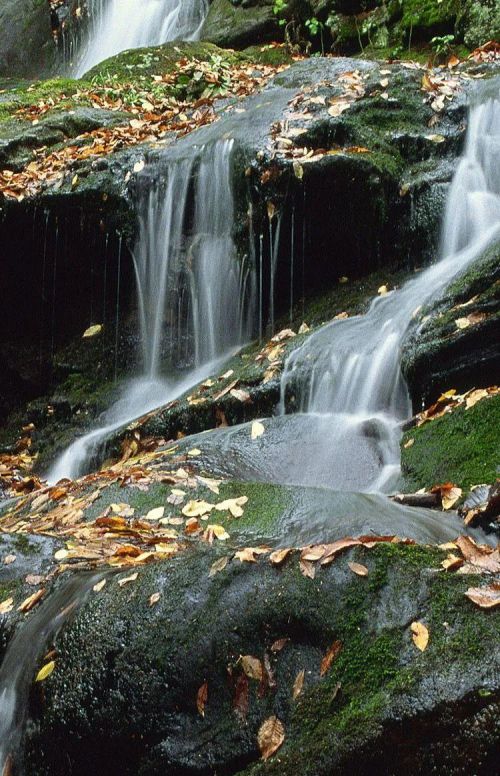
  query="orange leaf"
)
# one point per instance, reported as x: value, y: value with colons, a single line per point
x: 201, y: 698
x: 270, y: 737
x: 330, y: 656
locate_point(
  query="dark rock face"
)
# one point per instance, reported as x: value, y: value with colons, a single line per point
x: 123, y: 697
x: 438, y: 354
x: 26, y: 46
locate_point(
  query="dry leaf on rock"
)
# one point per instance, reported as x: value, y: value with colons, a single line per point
x: 252, y: 667
x: 279, y: 556
x: 202, y: 698
x: 218, y: 565
x: 358, y: 568
x: 298, y: 684
x: 154, y: 598
x: 270, y: 737
x: 485, y: 597
x: 31, y: 601
x: 420, y: 635
x: 45, y: 671
x: 332, y: 653
x: 6, y: 606
x: 127, y: 580
x: 257, y: 429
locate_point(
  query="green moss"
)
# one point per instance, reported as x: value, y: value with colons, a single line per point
x: 460, y: 447
x: 429, y: 13
x: 22, y: 543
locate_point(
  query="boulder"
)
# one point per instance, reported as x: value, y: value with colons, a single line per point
x: 26, y: 45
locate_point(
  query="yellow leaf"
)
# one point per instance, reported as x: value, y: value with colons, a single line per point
x: 154, y: 598
x: 298, y: 170
x: 270, y: 737
x: 45, y: 671
x: 197, y: 508
x: 233, y: 505
x: 462, y: 323
x: 358, y: 569
x: 279, y: 556
x: 219, y: 565
x: 6, y: 606
x: 252, y: 667
x: 74, y: 181
x: 99, y: 586
x: 194, y: 452
x: 450, y: 496
x: 219, y: 531
x: 420, y: 635
x: 382, y: 290
x: 155, y: 514
x: 257, y: 429
x: 248, y: 554
x: 92, y: 331
x: 126, y: 580
x: 61, y: 554
x: 298, y: 684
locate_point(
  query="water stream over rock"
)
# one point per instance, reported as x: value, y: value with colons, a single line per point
x: 118, y: 25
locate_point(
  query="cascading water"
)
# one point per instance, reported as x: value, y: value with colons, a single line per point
x: 189, y: 281
x: 118, y: 25
x: 25, y: 648
x: 347, y: 376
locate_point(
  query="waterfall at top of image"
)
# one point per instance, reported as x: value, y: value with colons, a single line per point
x: 347, y: 376
x: 195, y: 297
x: 119, y: 25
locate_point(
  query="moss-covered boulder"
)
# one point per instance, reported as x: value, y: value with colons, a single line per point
x: 170, y: 679
x: 454, y: 342
x: 238, y: 24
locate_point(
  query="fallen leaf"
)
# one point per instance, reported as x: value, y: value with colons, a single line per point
x: 197, y: 508
x: 31, y: 601
x: 154, y: 598
x: 298, y: 684
x: 218, y: 566
x: 270, y: 737
x: 420, y: 635
x: 240, y: 702
x: 9, y: 559
x: 45, y: 671
x: 201, y: 698
x: 126, y: 580
x: 6, y: 606
x: 194, y: 452
x: 279, y: 556
x: 485, y: 597
x: 233, y: 505
x: 452, y: 562
x: 382, y: 290
x: 99, y: 586
x: 155, y: 514
x: 307, y: 568
x: 257, y: 429
x: 278, y: 645
x: 358, y: 568
x: 252, y: 667
x: 92, y: 331
x: 139, y: 166
x: 248, y: 554
x: 332, y: 653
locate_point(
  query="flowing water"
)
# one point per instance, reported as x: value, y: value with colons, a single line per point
x: 25, y: 650
x: 119, y: 25
x: 191, y: 288
x: 344, y: 384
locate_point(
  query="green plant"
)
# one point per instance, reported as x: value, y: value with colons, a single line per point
x: 279, y: 8
x: 441, y: 44
x: 314, y: 27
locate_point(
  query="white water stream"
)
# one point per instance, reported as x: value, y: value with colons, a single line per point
x: 347, y: 378
x: 119, y: 25
x: 189, y: 281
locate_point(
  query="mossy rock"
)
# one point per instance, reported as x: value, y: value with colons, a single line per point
x: 142, y: 666
x: 438, y: 355
x: 239, y: 25
x: 460, y: 447
x: 26, y: 46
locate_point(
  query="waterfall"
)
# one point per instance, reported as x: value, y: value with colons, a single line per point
x: 119, y: 25
x: 346, y: 377
x: 23, y: 652
x: 189, y: 281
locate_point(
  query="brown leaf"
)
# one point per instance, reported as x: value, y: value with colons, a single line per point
x: 485, y: 597
x: 217, y: 566
x: 452, y: 562
x: 298, y: 684
x: 278, y: 645
x: 270, y: 737
x: 202, y: 698
x: 31, y: 601
x: 307, y: 568
x: 331, y: 655
x: 420, y: 635
x: 279, y: 556
x: 252, y: 667
x: 358, y: 569
x: 240, y: 702
x: 154, y: 598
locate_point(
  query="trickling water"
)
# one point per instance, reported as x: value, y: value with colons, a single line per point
x: 348, y: 374
x: 188, y: 278
x: 119, y: 25
x: 23, y: 652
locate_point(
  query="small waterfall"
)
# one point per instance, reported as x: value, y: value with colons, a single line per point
x: 189, y: 280
x: 347, y: 376
x: 118, y: 25
x: 25, y: 649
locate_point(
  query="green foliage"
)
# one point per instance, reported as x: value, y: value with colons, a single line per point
x: 442, y: 44
x: 279, y: 8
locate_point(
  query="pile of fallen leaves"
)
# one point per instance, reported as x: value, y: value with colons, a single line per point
x: 155, y: 114
x: 451, y: 400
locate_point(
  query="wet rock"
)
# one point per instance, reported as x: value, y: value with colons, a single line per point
x: 454, y: 343
x: 140, y: 666
x: 26, y: 46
